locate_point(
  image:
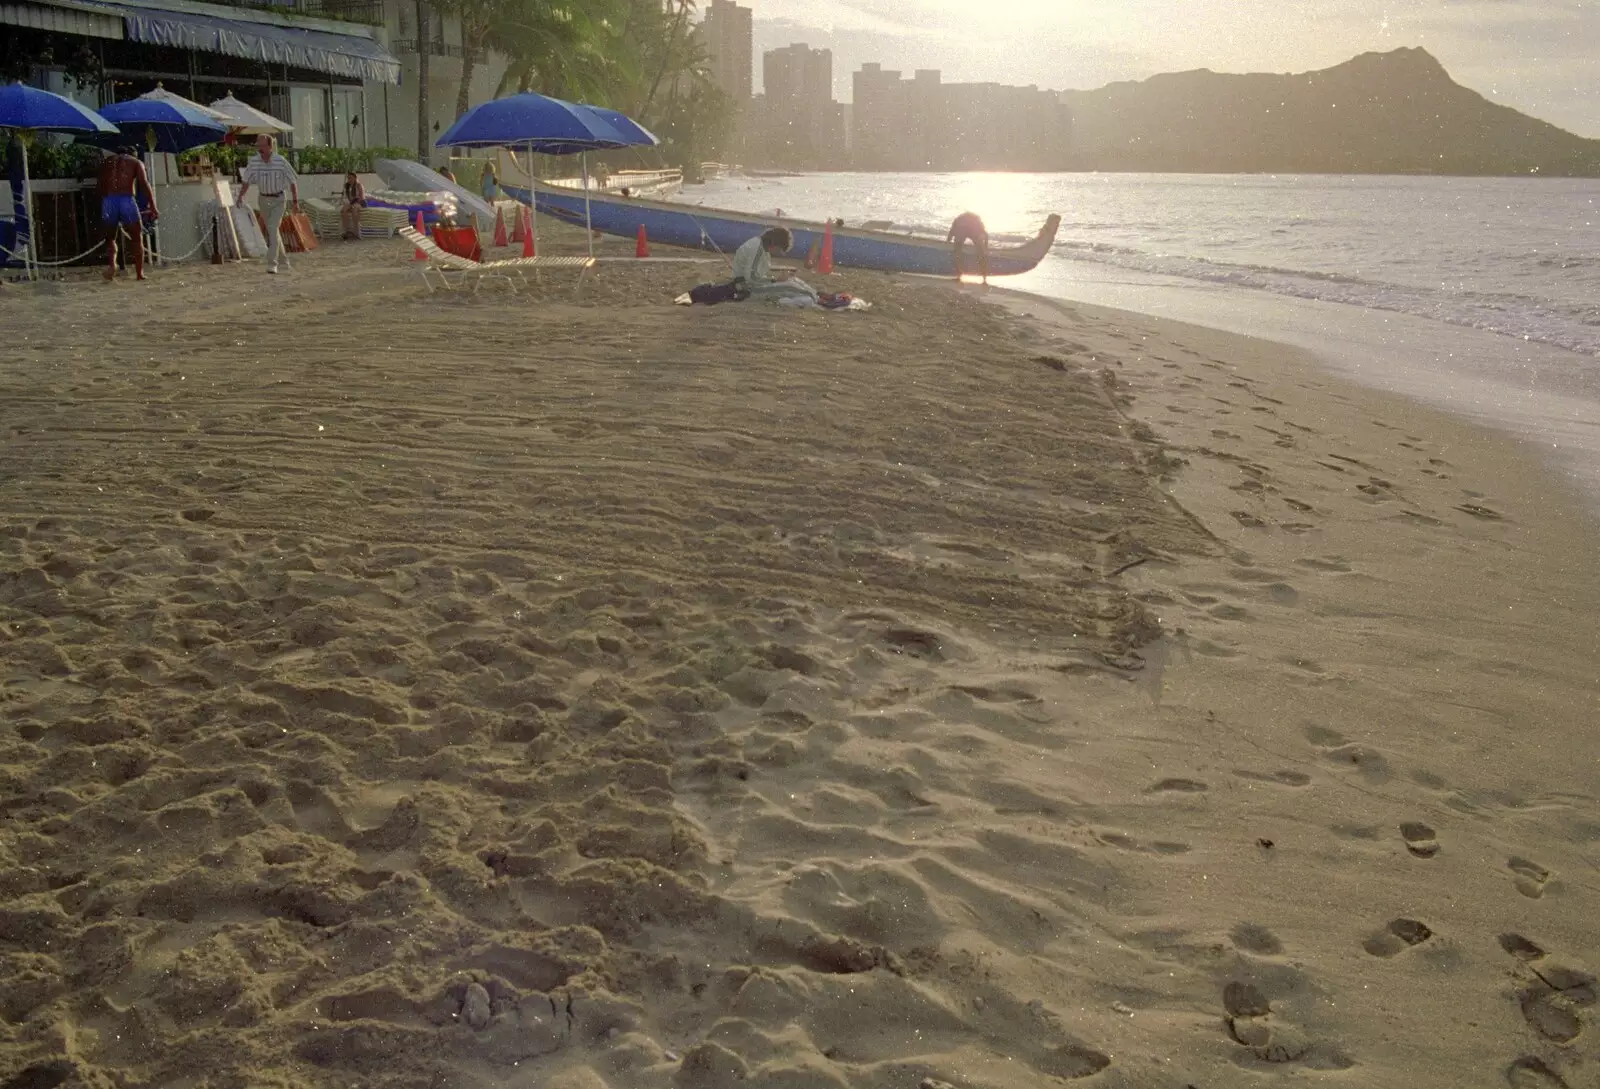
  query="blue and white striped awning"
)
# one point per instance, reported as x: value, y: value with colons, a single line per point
x: 352, y: 56
x: 62, y: 17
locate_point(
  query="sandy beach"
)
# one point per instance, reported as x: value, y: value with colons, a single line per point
x: 584, y: 692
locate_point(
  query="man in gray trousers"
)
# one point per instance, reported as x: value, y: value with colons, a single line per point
x: 276, y: 180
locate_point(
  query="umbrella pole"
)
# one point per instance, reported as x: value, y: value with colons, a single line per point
x: 588, y: 220
x: 29, y: 264
x: 153, y: 250
x: 533, y: 200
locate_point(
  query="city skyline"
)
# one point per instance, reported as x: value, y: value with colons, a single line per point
x: 1536, y: 56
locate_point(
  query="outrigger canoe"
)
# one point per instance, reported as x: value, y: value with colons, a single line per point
x: 721, y: 231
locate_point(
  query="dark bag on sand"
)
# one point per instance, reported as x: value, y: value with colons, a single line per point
x: 711, y: 294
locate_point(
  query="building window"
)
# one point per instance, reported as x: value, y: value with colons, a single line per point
x: 347, y: 119
x: 308, y: 113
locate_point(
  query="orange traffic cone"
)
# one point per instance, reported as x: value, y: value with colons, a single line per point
x: 641, y: 248
x: 418, y: 255
x: 500, y: 228
x: 528, y: 248
x: 516, y: 226
x: 825, y: 262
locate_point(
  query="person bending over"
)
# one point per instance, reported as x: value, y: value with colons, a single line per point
x: 122, y: 177
x: 752, y: 268
x: 969, y: 227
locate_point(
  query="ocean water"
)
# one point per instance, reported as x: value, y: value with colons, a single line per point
x: 1480, y: 295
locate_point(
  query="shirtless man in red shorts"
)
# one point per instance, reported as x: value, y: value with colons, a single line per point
x: 121, y: 177
x: 969, y: 226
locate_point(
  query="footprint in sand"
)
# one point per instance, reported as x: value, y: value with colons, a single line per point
x: 1128, y: 843
x: 1282, y: 778
x: 1323, y: 737
x: 1531, y: 1072
x: 1000, y: 694
x: 1477, y: 510
x: 1520, y: 947
x: 1420, y: 839
x: 1550, y: 1005
x: 1183, y: 786
x: 1371, y: 763
x: 1254, y: 938
x: 1245, y: 1000
x: 1531, y: 877
x: 1251, y: 1024
x: 1397, y: 937
x: 916, y: 643
x: 1551, y: 1014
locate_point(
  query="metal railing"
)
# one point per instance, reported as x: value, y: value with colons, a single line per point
x: 435, y: 49
x: 357, y: 11
x: 369, y: 12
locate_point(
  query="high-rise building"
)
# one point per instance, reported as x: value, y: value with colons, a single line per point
x: 729, y: 35
x: 923, y: 123
x: 878, y: 118
x: 801, y: 118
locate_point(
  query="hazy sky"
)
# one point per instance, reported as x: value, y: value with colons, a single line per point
x: 1538, y: 56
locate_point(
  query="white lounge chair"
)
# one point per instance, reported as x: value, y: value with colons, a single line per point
x: 375, y: 222
x: 444, y: 264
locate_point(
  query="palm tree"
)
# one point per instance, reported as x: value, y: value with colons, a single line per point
x: 678, y: 52
x: 424, y: 135
x: 556, y: 47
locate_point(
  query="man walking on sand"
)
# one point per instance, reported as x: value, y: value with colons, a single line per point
x: 122, y: 179
x: 276, y: 178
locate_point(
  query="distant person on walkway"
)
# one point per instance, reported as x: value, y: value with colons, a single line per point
x: 491, y: 184
x: 969, y: 227
x: 355, y: 199
x: 752, y: 268
x: 448, y: 175
x: 122, y: 180
x: 275, y: 177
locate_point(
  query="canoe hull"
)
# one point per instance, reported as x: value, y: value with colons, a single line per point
x: 724, y: 231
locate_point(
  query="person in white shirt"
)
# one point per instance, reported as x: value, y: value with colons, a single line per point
x: 276, y: 179
x: 752, y: 268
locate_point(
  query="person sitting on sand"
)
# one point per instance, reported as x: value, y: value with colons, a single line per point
x: 122, y: 179
x: 968, y: 226
x: 752, y: 268
x: 355, y: 199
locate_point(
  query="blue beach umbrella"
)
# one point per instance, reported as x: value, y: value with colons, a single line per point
x: 549, y: 126
x: 630, y: 130
x: 633, y: 133
x: 163, y: 121
x: 29, y: 110
x: 537, y: 122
